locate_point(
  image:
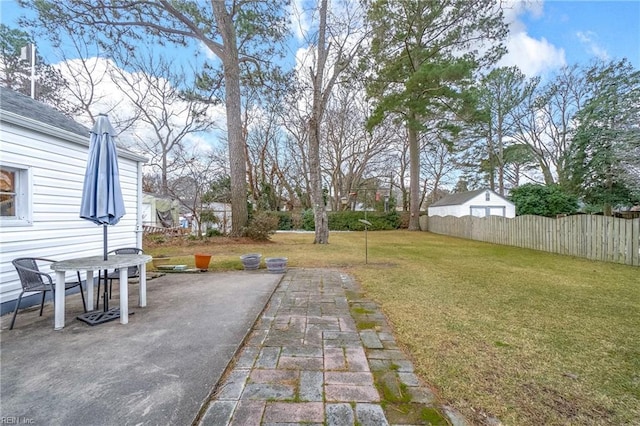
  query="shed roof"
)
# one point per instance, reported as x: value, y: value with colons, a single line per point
x: 24, y: 106
x: 459, y: 198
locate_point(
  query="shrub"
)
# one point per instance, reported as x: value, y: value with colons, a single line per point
x: 212, y: 232
x: 379, y: 221
x: 296, y: 220
x: 391, y: 220
x: 404, y: 218
x: 350, y: 220
x: 285, y: 222
x: 262, y: 226
x: 541, y: 200
x: 308, y: 221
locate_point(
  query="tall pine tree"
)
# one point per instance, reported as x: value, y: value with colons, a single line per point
x: 423, y: 54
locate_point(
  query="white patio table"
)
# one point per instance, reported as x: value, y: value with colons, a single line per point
x: 97, y: 263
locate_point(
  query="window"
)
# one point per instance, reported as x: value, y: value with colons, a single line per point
x: 487, y: 196
x: 15, y: 202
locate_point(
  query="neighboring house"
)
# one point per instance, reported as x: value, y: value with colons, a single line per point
x: 159, y: 211
x: 222, y: 212
x: 43, y: 157
x: 480, y: 203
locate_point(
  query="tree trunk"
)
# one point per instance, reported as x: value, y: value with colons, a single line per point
x: 164, y: 181
x: 492, y: 160
x: 319, y: 210
x: 317, y: 199
x: 414, y: 187
x: 500, y: 169
x: 548, y: 175
x: 237, y: 159
x: 237, y: 156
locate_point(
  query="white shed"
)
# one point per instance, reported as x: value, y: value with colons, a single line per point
x: 43, y: 157
x: 479, y: 203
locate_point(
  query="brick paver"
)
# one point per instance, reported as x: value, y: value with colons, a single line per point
x: 306, y: 361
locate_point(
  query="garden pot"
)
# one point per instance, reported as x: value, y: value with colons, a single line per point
x: 159, y: 261
x: 276, y: 265
x: 202, y: 261
x: 251, y: 261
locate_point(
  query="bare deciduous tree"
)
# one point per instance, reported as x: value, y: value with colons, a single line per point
x: 85, y: 74
x: 238, y: 33
x: 544, y: 121
x: 351, y: 154
x: 264, y: 153
x: 334, y: 46
x: 192, y: 179
x: 171, y: 114
x: 296, y: 143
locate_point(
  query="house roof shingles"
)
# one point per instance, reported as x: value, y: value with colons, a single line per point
x: 26, y: 107
x: 457, y: 199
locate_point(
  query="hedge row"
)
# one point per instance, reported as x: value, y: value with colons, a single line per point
x: 340, y: 221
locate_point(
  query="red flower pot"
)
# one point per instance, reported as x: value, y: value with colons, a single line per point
x: 202, y: 261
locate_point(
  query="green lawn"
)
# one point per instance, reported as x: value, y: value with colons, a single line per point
x: 524, y: 336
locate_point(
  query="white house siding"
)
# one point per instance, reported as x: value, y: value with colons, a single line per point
x: 57, y: 160
x: 477, y: 206
x: 445, y: 211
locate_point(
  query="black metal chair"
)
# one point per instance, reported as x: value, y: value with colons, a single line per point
x: 132, y: 271
x: 34, y: 280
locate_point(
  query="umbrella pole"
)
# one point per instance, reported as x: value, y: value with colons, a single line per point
x: 104, y: 239
x: 96, y: 317
x: 105, y: 303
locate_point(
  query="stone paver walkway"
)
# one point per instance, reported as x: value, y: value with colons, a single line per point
x: 322, y: 355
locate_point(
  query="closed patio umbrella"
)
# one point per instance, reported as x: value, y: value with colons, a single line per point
x: 102, y: 201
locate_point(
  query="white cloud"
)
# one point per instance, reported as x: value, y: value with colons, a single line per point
x: 591, y: 45
x: 300, y: 19
x: 533, y: 56
x: 513, y: 9
x: 305, y: 59
x: 204, y: 143
x: 211, y: 57
x: 109, y: 98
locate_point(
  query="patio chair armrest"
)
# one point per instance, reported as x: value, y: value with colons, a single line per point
x: 43, y: 259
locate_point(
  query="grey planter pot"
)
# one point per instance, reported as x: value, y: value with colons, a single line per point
x: 276, y: 265
x: 251, y: 261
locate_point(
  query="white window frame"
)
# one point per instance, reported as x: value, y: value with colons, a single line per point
x: 24, y: 201
x: 487, y: 210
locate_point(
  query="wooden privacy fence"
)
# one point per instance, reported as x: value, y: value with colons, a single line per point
x: 607, y: 239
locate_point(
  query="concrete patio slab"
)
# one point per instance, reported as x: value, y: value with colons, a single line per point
x: 158, y: 369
